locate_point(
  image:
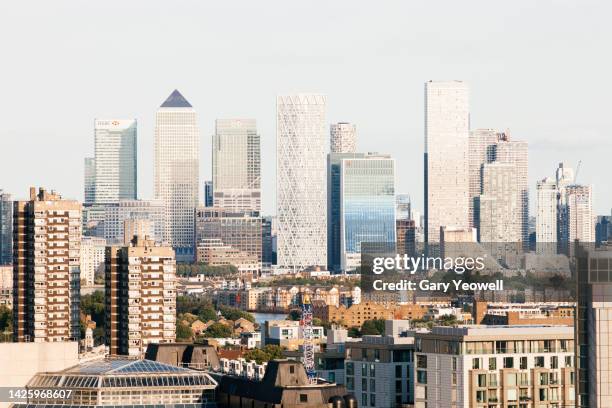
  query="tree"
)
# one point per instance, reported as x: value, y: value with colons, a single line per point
x: 183, y: 331
x: 6, y: 319
x: 218, y: 330
x: 294, y: 315
x: 207, y: 313
x: 269, y: 352
x: 231, y: 313
x: 373, y: 327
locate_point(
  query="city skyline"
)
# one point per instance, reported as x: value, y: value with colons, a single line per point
x: 506, y: 92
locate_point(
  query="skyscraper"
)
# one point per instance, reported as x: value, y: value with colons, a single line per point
x: 90, y: 180
x: 6, y: 229
x: 492, y: 146
x: 177, y: 166
x: 46, y: 295
x: 208, y: 193
x: 579, y: 209
x: 343, y: 137
x: 140, y: 295
x: 499, y: 214
x: 236, y: 165
x: 546, y: 215
x: 447, y: 122
x: 115, y: 161
x: 403, y: 209
x: 361, y: 206
x: 301, y: 181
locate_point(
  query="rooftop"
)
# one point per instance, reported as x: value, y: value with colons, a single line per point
x: 176, y: 100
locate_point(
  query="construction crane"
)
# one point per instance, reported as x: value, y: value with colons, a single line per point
x: 306, y: 323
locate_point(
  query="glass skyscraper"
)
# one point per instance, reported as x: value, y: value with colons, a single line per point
x: 361, y: 205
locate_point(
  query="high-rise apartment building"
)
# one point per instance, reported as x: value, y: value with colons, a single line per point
x: 92, y: 258
x: 6, y: 229
x: 593, y: 325
x: 140, y: 294
x: 495, y: 366
x: 491, y: 146
x: 343, y: 137
x: 546, y: 215
x: 361, y: 208
x: 447, y: 123
x: 115, y: 161
x: 301, y: 181
x: 46, y: 268
x: 236, y: 165
x: 579, y: 214
x: 177, y: 167
x: 241, y: 230
x: 499, y: 216
x: 89, y: 191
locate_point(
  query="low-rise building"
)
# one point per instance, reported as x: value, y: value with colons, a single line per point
x: 495, y: 366
x: 379, y: 369
x: 355, y: 315
x: 524, y: 313
x: 289, y: 334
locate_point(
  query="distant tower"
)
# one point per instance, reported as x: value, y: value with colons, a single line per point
x: 115, y: 160
x: 343, y: 138
x: 301, y: 181
x: 447, y: 123
x: 177, y: 167
x: 90, y: 180
x: 236, y: 165
x: 6, y: 229
x: 546, y: 215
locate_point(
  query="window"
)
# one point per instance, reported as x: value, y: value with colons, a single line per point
x: 508, y: 362
x: 539, y: 361
x: 372, y: 400
x: 398, y: 387
x: 454, y: 363
x: 372, y: 370
x: 350, y: 369
x: 523, y: 363
x: 475, y: 363
x: 421, y: 361
x: 364, y: 399
x: 364, y: 370
x: 422, y: 377
x: 303, y: 398
x: 398, y: 371
x: 372, y: 385
x: 292, y: 370
x: 492, y: 363
x: 482, y: 380
x: 568, y: 361
x: 554, y: 362
x: 350, y: 383
x: 376, y: 355
x: 364, y: 384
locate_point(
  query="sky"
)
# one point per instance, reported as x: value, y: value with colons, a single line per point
x: 541, y: 69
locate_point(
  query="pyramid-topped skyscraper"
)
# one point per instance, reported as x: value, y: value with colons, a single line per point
x: 177, y: 166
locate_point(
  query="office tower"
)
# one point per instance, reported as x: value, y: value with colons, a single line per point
x: 546, y: 215
x: 480, y: 366
x: 457, y: 235
x: 402, y: 207
x: 447, y: 122
x: 140, y: 294
x: 46, y: 242
x: 92, y: 259
x: 241, y: 230
x: 367, y: 204
x: 140, y: 227
x: 208, y: 194
x: 89, y: 192
x: 267, y: 248
x: 579, y: 209
x: 499, y: 214
x: 236, y: 165
x: 115, y: 160
x: 301, y: 181
x: 115, y: 216
x: 343, y: 138
x: 6, y: 229
x: 405, y: 232
x: 177, y: 166
x: 593, y: 325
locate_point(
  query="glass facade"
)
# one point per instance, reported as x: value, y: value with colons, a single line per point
x: 367, y: 205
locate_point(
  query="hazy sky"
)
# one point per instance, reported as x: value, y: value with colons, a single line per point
x: 542, y: 69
